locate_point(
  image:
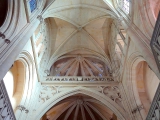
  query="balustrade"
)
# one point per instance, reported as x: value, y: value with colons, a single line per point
x: 6, y: 111
x: 68, y: 78
x: 154, y: 112
x: 155, y: 42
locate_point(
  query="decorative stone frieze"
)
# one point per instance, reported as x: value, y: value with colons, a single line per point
x: 68, y: 78
x: 47, y: 92
x: 111, y: 91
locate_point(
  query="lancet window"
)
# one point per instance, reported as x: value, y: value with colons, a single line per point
x: 33, y: 5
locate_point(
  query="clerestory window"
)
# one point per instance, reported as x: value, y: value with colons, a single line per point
x: 126, y: 6
x: 33, y: 5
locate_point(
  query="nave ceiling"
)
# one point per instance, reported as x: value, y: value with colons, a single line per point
x: 79, y: 59
x: 79, y: 27
x: 79, y: 107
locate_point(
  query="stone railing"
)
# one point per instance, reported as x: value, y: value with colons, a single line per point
x: 75, y: 78
x: 154, y: 112
x: 6, y: 111
x: 155, y: 42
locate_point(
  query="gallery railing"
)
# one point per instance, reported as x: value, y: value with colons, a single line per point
x: 6, y: 111
x: 154, y: 112
x: 155, y: 42
x: 75, y: 78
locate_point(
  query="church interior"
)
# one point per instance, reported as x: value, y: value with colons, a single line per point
x: 79, y: 60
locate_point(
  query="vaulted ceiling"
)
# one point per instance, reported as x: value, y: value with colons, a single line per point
x: 80, y: 37
x: 78, y: 65
x: 80, y: 27
x: 79, y: 107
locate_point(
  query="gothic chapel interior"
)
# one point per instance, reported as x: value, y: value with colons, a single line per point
x: 79, y: 60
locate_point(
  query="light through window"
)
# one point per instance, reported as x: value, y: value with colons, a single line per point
x: 33, y: 5
x: 126, y: 6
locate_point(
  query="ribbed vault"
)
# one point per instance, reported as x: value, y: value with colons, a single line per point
x: 92, y: 35
x: 79, y: 65
x: 79, y: 25
x: 79, y: 107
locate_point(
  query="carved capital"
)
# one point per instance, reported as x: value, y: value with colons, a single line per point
x: 40, y: 18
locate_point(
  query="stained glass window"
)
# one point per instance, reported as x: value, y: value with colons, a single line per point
x: 126, y: 6
x: 33, y: 5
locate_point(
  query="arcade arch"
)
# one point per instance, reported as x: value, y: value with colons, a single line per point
x: 144, y: 84
x: 107, y: 102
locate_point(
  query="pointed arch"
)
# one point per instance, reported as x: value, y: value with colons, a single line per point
x: 137, y: 82
x: 55, y: 57
x: 118, y: 111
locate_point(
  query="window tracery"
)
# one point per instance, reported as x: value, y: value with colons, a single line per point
x: 78, y: 66
x: 126, y: 5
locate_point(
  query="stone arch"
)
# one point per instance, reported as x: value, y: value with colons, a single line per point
x: 26, y: 59
x: 138, y: 89
x: 21, y: 74
x: 11, y: 15
x: 14, y: 81
x: 117, y: 110
x: 54, y: 57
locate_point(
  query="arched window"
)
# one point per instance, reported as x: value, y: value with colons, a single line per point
x: 126, y: 5
x: 39, y: 40
x: 33, y: 5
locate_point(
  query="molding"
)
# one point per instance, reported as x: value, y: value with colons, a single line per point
x: 63, y: 8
